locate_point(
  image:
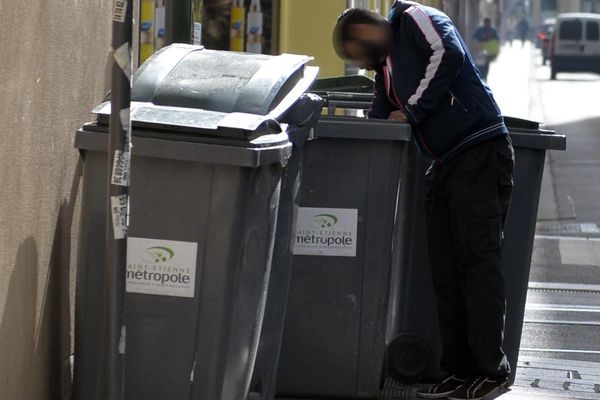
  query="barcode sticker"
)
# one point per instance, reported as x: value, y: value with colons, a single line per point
x: 120, y: 171
x: 119, y: 10
x: 118, y: 206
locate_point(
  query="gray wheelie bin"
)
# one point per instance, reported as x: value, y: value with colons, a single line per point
x: 336, y: 323
x: 301, y: 119
x: 210, y: 167
x: 415, y: 353
x: 335, y: 304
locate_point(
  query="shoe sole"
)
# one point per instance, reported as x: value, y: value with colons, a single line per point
x: 435, y: 395
x: 499, y: 391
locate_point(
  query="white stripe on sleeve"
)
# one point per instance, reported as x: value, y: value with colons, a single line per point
x: 435, y: 42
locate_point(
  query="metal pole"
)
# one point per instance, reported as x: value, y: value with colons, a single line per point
x: 118, y: 198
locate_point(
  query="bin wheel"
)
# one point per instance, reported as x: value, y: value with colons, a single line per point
x: 254, y: 396
x: 408, y: 356
x: 256, y: 391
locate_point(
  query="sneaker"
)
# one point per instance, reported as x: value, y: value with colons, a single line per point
x: 442, y: 389
x: 480, y: 388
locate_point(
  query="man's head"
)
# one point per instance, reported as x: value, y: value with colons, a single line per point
x: 487, y: 22
x: 362, y: 37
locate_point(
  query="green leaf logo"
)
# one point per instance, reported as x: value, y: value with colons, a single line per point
x: 159, y: 254
x: 325, y: 220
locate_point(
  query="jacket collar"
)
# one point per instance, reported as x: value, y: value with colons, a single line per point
x: 399, y: 7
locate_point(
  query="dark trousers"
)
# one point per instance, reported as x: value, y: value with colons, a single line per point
x: 467, y: 200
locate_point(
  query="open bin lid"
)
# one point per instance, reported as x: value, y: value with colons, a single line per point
x: 355, y: 84
x: 194, y: 104
x: 186, y: 90
x: 191, y: 76
x: 353, y: 91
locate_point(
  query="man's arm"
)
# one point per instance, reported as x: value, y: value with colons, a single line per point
x: 380, y: 106
x: 437, y: 40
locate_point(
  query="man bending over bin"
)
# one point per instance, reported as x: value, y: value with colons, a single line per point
x: 426, y: 76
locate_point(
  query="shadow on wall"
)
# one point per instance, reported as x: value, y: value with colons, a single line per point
x: 17, y: 330
x: 35, y: 353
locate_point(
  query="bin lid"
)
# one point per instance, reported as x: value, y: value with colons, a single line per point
x: 335, y: 127
x: 190, y: 76
x: 520, y: 123
x: 538, y: 139
x: 527, y: 133
x: 345, y: 91
x: 194, y: 135
x: 354, y: 84
x: 208, y: 94
x: 356, y: 91
x: 194, y: 125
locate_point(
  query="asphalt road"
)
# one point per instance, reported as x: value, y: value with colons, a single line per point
x: 567, y: 251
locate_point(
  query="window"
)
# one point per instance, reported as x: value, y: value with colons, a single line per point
x: 592, y: 31
x: 571, y: 30
x: 548, y: 5
x: 590, y: 6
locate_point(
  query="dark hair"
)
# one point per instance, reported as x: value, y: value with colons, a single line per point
x: 353, y: 16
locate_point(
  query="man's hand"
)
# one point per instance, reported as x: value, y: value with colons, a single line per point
x: 398, y: 116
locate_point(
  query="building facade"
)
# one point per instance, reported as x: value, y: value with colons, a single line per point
x: 542, y: 10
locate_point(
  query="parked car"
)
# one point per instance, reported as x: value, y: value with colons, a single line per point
x: 543, y: 38
x: 575, y: 45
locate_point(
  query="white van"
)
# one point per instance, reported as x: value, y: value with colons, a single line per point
x: 575, y: 44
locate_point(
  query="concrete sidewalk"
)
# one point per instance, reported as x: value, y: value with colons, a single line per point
x: 516, y: 78
x: 513, y: 80
x: 510, y: 78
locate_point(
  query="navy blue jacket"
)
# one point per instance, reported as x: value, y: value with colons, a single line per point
x: 431, y: 76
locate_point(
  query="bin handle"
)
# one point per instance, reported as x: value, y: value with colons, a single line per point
x: 310, y: 73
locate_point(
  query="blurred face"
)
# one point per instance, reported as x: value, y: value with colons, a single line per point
x: 487, y: 23
x: 369, y: 45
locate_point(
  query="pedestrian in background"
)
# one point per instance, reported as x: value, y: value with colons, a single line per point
x: 523, y: 30
x: 426, y: 76
x: 486, y: 46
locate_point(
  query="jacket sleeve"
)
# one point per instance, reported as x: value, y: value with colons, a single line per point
x: 436, y: 38
x: 381, y: 107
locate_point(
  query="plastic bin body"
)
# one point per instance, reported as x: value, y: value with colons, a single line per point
x: 201, y: 347
x: 336, y: 321
x: 267, y: 359
x: 207, y: 180
x: 416, y: 307
x: 303, y: 116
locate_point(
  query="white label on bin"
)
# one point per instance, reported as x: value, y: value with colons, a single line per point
x: 125, y: 115
x: 118, y: 206
x: 326, y: 232
x: 161, y: 267
x: 119, y: 10
x: 120, y: 172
